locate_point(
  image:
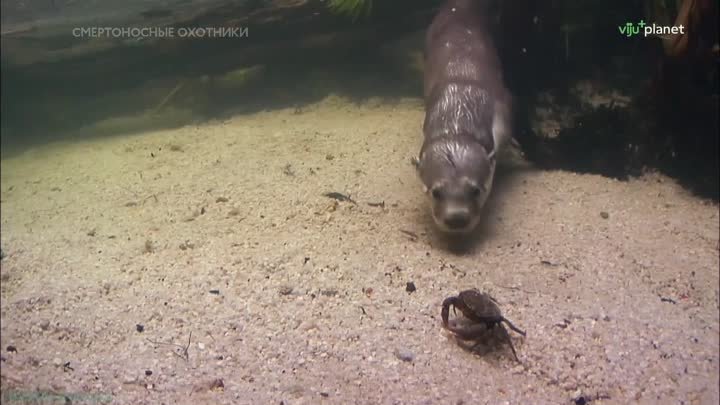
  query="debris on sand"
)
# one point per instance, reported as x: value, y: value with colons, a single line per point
x: 405, y: 355
x: 339, y: 197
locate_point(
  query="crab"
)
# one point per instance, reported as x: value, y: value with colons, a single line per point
x: 482, y: 310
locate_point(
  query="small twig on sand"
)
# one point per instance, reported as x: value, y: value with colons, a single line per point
x: 339, y: 196
x: 413, y: 236
x: 153, y: 196
x: 515, y: 288
x: 185, y: 349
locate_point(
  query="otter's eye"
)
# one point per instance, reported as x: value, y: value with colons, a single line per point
x: 436, y: 193
x: 475, y: 191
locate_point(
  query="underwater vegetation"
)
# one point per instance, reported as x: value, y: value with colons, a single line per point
x: 351, y: 8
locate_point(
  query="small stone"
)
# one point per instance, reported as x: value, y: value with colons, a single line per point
x: 57, y: 362
x: 604, y: 215
x: 45, y: 325
x: 405, y: 355
x: 148, y: 372
x: 285, y: 290
x: 11, y: 349
x: 410, y: 287
x: 201, y: 346
x: 307, y: 325
x: 139, y: 328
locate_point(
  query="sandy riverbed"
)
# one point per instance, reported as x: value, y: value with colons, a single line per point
x: 217, y: 238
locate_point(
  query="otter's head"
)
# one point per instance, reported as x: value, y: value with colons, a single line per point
x: 457, y: 174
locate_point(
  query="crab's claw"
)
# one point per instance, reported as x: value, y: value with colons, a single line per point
x: 445, y: 312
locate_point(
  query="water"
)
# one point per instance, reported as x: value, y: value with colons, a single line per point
x: 167, y: 234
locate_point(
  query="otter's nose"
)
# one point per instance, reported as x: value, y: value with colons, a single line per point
x: 457, y: 220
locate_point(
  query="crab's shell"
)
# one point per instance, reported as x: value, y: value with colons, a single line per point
x: 479, y: 306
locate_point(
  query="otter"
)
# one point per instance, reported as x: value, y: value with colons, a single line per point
x: 467, y: 115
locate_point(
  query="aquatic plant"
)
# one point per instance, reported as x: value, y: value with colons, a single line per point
x: 351, y: 8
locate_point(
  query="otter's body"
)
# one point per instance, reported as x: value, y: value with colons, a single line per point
x: 467, y: 115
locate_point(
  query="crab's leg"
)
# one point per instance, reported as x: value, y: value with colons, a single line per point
x: 513, y: 327
x: 507, y: 337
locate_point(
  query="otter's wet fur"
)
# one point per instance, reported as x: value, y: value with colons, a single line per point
x: 467, y: 114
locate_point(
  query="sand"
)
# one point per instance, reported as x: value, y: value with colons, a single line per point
x: 203, y: 265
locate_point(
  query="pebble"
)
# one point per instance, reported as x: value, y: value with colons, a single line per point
x: 405, y: 355
x: 307, y: 326
x: 57, y: 362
